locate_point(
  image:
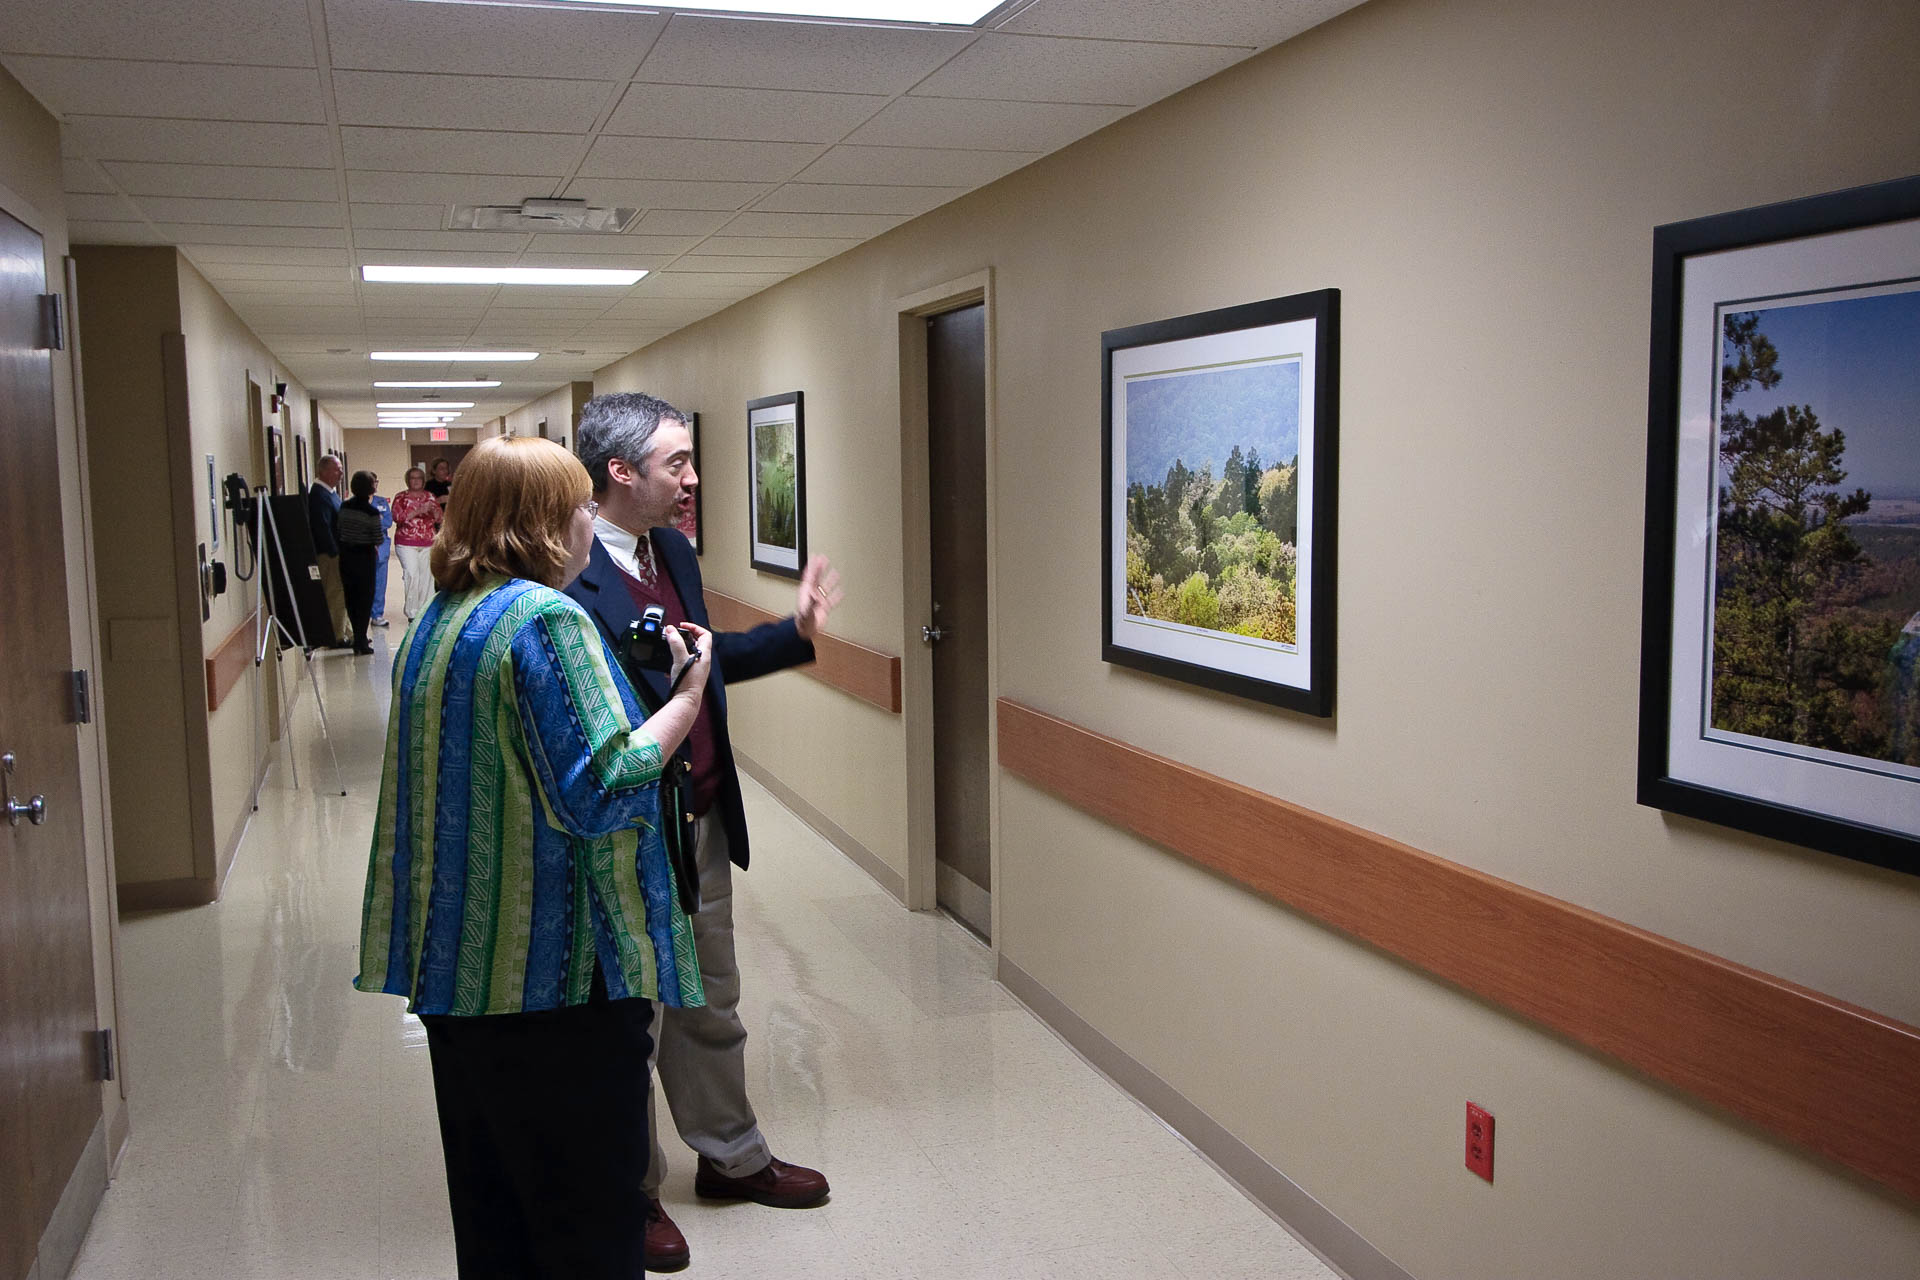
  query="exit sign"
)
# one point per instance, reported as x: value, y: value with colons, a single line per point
x: 436, y: 433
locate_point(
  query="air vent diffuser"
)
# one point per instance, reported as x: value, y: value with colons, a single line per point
x: 562, y: 217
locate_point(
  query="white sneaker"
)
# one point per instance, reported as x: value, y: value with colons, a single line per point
x: 379, y: 622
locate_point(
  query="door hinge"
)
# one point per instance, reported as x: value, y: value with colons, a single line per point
x: 104, y: 1040
x: 53, y: 328
x: 82, y: 698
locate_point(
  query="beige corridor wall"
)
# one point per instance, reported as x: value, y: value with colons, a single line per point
x: 223, y: 354
x: 1481, y: 181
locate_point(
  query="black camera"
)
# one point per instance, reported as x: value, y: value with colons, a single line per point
x: 644, y: 646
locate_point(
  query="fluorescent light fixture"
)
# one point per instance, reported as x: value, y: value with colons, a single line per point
x: 425, y: 404
x: 440, y: 357
x: 499, y: 275
x: 417, y: 417
x: 955, y: 13
x: 473, y: 382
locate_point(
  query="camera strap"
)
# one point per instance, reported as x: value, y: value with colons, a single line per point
x: 679, y: 829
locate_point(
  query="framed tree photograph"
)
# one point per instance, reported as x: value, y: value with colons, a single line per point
x: 690, y: 522
x: 1218, y: 452
x: 276, y: 460
x: 1780, y: 651
x: 777, y: 483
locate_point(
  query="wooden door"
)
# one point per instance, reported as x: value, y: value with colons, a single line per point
x: 957, y: 466
x: 49, y: 1095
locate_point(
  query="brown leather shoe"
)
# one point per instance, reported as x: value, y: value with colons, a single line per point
x: 666, y: 1247
x: 780, y: 1185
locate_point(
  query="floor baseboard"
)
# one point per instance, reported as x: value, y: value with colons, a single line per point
x: 1312, y: 1223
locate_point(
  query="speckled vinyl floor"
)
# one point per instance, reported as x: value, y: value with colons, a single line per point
x: 283, y: 1124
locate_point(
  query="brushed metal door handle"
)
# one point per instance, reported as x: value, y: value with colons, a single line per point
x: 932, y: 635
x: 34, y: 811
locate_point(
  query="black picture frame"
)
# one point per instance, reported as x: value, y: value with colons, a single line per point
x: 1303, y: 330
x: 1863, y: 242
x: 774, y: 557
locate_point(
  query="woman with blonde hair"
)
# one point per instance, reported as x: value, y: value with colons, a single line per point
x: 416, y: 519
x: 518, y: 894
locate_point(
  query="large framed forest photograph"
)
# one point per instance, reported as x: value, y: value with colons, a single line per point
x: 777, y: 483
x: 1218, y: 480
x: 1780, y: 653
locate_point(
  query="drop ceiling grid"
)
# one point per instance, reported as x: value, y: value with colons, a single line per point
x: 281, y: 141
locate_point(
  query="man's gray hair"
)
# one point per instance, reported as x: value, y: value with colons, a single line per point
x: 619, y: 424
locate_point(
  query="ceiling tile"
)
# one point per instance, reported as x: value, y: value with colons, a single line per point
x: 268, y: 255
x: 478, y: 241
x: 679, y: 222
x: 591, y: 246
x: 1054, y: 69
x: 777, y: 246
x: 797, y: 55
x: 702, y: 284
x: 197, y: 91
x: 771, y: 115
x: 399, y: 217
x: 259, y: 213
x: 437, y: 257
x: 548, y: 315
x: 247, y: 32
x: 444, y: 188
x: 857, y: 225
x: 978, y: 122
x: 468, y: 102
x: 81, y: 232
x: 1256, y: 23
x: 558, y: 297
x: 299, y: 146
x: 222, y: 269
x: 725, y: 264
x: 224, y: 182
x: 800, y: 197
x: 691, y: 159
x: 271, y: 293
x: 460, y: 151
x: 599, y: 261
x: 102, y: 208
x: 567, y: 44
x: 85, y: 176
x: 250, y: 240
x: 909, y: 166
x: 666, y: 194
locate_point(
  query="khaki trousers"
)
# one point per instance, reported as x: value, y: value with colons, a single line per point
x: 336, y: 594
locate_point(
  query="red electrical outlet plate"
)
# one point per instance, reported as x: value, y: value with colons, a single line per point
x: 1480, y: 1141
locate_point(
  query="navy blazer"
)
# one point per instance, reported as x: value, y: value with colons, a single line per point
x: 738, y: 655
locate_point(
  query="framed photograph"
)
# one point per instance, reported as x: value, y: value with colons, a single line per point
x: 276, y: 460
x: 690, y: 523
x: 777, y: 483
x: 1218, y: 498
x: 1780, y: 651
x: 300, y: 462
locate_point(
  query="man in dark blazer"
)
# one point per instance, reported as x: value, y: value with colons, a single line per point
x: 640, y: 455
x: 323, y: 522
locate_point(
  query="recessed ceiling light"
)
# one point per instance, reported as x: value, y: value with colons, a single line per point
x: 424, y: 404
x: 473, y: 382
x: 956, y: 13
x: 417, y: 417
x: 436, y: 357
x: 500, y: 275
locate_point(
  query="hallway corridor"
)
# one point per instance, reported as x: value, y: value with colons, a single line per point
x: 283, y: 1125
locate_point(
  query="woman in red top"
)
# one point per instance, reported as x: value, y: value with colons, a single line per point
x: 416, y: 519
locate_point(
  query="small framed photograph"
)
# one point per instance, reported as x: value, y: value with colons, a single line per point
x: 1218, y: 498
x: 1780, y: 651
x: 690, y: 523
x: 777, y: 483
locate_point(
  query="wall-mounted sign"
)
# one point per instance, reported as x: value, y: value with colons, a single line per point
x: 436, y: 433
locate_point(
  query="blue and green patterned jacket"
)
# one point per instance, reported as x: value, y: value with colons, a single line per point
x: 517, y: 836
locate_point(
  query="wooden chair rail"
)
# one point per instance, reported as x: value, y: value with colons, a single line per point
x: 867, y: 674
x: 226, y: 664
x: 1824, y: 1074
